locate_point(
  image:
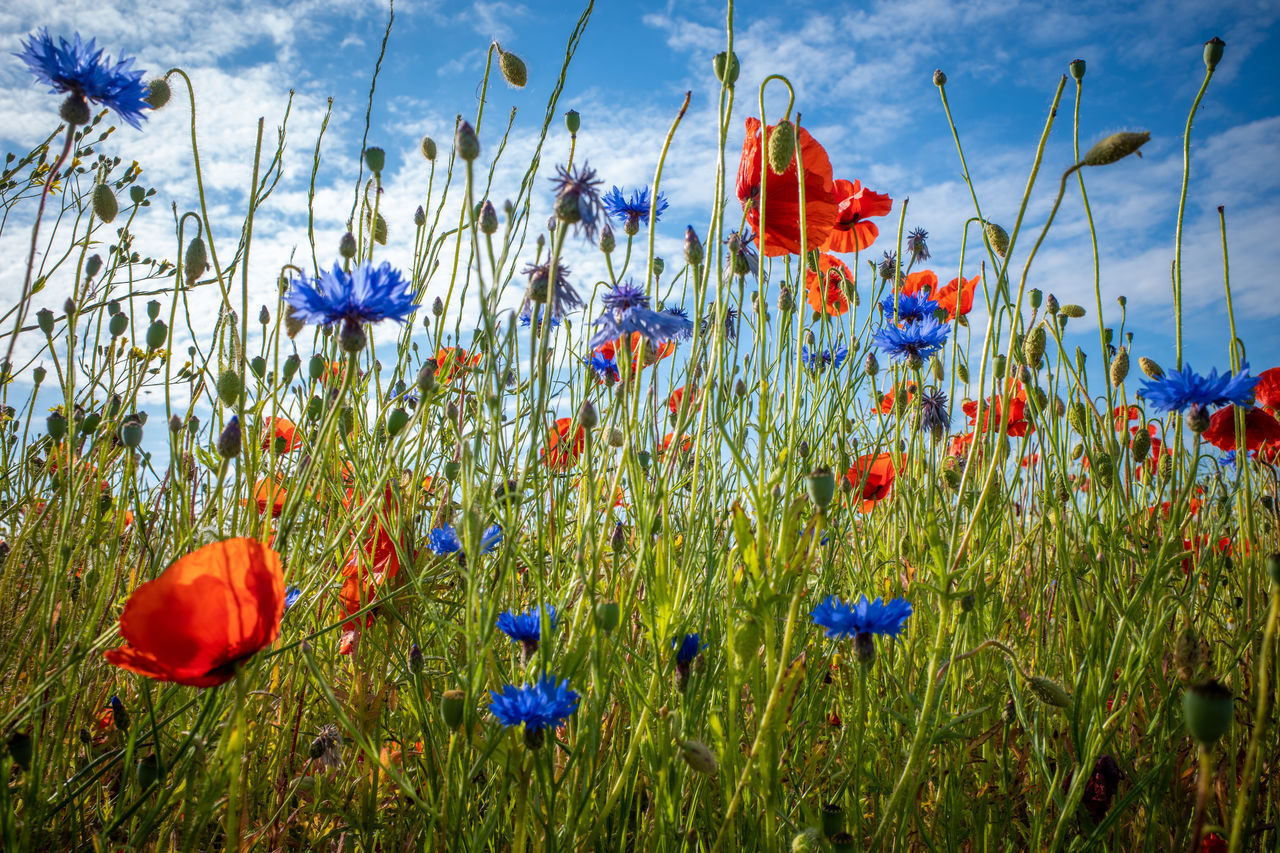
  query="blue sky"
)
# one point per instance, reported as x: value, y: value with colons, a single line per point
x: 862, y: 73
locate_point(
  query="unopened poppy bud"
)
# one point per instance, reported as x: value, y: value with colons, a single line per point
x: 699, y: 758
x: 75, y: 110
x: 157, y: 334
x: 229, y: 387
x: 587, y: 416
x: 939, y: 77
x: 1115, y: 147
x: 1166, y: 466
x: 229, y: 440
x: 726, y: 67
x: 997, y: 236
x: 375, y: 159
x: 1140, y: 446
x: 1207, y: 710
x: 998, y: 366
x: 380, y: 229
x: 1077, y: 69
x: 1120, y: 366
x: 870, y: 366
x: 1213, y: 52
x: 1151, y: 368
x: 196, y: 260
x: 572, y: 121
x: 1049, y: 691
x: 512, y: 67
x: 105, y: 206
x: 782, y: 146
x: 465, y: 142
x: 452, y: 706
x: 158, y: 93
x: 607, y: 611
x: 1197, y: 418
x: 832, y: 820
x: 437, y: 306
x: 1033, y: 346
x: 1072, y: 310
x: 693, y: 253
x: 488, y: 218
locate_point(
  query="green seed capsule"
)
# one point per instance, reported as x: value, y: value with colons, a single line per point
x: 397, y: 420
x: 118, y: 325
x: 1207, y: 710
x: 452, y: 708
x: 157, y: 334
x: 105, y: 206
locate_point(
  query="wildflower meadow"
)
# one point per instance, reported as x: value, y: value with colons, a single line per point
x: 528, y: 538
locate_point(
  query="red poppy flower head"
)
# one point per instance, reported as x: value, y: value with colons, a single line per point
x: 957, y: 296
x: 1260, y: 427
x: 1266, y: 394
x: 826, y: 288
x: 916, y: 282
x: 560, y: 452
x: 853, y: 231
x: 206, y: 613
x: 781, y: 194
x: 878, y: 472
x: 451, y: 361
x: 280, y: 435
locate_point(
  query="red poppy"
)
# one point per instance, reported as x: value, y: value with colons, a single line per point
x: 826, y: 287
x: 1213, y: 843
x: 782, y: 195
x: 560, y: 453
x: 280, y: 434
x: 1031, y: 461
x: 960, y: 445
x: 1016, y: 424
x: 676, y: 400
x: 209, y: 611
x: 269, y: 495
x: 1260, y: 427
x: 917, y: 281
x: 879, y: 473
x: 852, y: 231
x: 1121, y: 415
x: 363, y: 576
x: 686, y: 443
x: 957, y: 296
x: 890, y: 398
x: 451, y: 360
x: 1266, y: 394
x: 610, y: 349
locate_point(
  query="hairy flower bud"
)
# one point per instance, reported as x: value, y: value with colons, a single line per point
x: 229, y: 387
x: 1033, y: 346
x: 512, y: 67
x: 158, y: 93
x: 1072, y: 310
x: 1140, y: 446
x: 428, y: 148
x: 693, y: 253
x: 1115, y: 147
x: 105, y: 206
x: 699, y: 757
x: 998, y: 237
x: 196, y: 260
x: 1151, y: 368
x: 1049, y: 691
x: 1119, y: 366
x: 466, y: 142
x: 782, y: 146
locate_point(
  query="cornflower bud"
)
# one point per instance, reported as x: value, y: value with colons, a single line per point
x: 428, y: 148
x: 466, y: 142
x: 693, y: 253
x: 229, y: 440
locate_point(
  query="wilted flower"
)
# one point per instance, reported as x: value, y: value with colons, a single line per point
x: 560, y: 296
x: 578, y: 199
x: 917, y: 246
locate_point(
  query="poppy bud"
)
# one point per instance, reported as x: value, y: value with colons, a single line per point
x: 488, y: 218
x: 1033, y: 346
x: 1119, y: 366
x: 56, y: 424
x: 229, y: 387
x: 1213, y: 52
x: 452, y: 706
x: 726, y: 67
x: 428, y: 148
x: 1208, y: 709
x: 375, y: 159
x: 1166, y: 466
x: 1049, y: 691
x: 105, y: 206
x: 572, y: 121
x: 939, y: 77
x: 158, y: 93
x: 75, y: 110
x: 1115, y: 147
x: 1072, y: 310
x: 397, y: 420
x: 1140, y: 446
x: 998, y: 366
x: 782, y: 146
x: 870, y: 366
x: 512, y: 67
x: 699, y: 758
x: 352, y: 338
x: 1077, y: 69
x: 196, y: 260
x: 1273, y: 568
x: 465, y: 142
x: 693, y: 253
x: 1151, y: 368
x: 229, y: 440
x: 380, y: 229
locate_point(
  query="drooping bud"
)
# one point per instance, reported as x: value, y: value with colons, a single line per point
x: 158, y: 93
x: 105, y: 206
x: 465, y: 142
x: 1076, y: 416
x: 196, y: 260
x: 726, y: 67
x: 1151, y: 368
x: 375, y: 159
x: 512, y: 67
x: 693, y: 253
x: 998, y: 237
x: 1119, y: 366
x: 1213, y: 52
x: 782, y: 146
x: 1049, y: 691
x: 229, y: 387
x: 229, y: 440
x: 1115, y: 147
x: 1077, y: 69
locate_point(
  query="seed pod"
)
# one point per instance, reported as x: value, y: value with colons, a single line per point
x: 1213, y: 52
x: 1151, y: 368
x: 782, y: 146
x: 572, y: 121
x: 808, y: 840
x: 1208, y: 709
x: 229, y: 387
x: 118, y: 325
x: 157, y: 334
x: 1119, y: 366
x: 397, y: 420
x: 998, y: 237
x: 1077, y: 69
x: 158, y: 93
x: 821, y: 486
x: 375, y: 159
x: 105, y: 206
x: 452, y: 706
x: 726, y: 67
x: 513, y: 68
x: 56, y: 424
x: 1049, y: 691
x: 1115, y: 147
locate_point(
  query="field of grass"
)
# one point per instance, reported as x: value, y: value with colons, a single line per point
x: 733, y: 551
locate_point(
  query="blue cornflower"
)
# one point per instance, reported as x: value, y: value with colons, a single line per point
x: 1179, y: 389
x: 687, y: 648
x: 526, y: 628
x: 842, y: 620
x: 367, y: 294
x: 562, y: 298
x: 730, y: 321
x: 605, y: 367
x: 491, y: 539
x: 526, y: 319
x: 742, y: 254
x: 816, y: 360
x: 910, y: 308
x: 917, y: 246
x: 626, y: 310
x: 681, y: 314
x: 634, y: 211
x: 934, y: 414
x: 1228, y: 462
x: 538, y: 706
x: 291, y: 596
x: 84, y: 74
x: 578, y: 199
x: 443, y: 540
x: 913, y: 342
